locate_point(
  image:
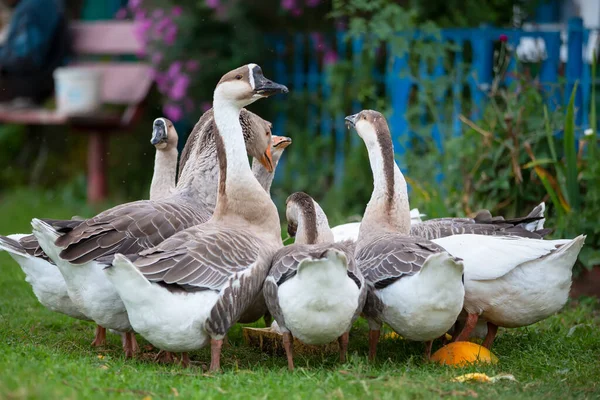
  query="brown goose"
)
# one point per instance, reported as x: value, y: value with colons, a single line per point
x: 414, y: 285
x: 81, y: 251
x: 191, y: 288
x: 313, y: 290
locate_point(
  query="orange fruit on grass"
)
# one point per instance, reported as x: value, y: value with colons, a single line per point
x: 463, y: 353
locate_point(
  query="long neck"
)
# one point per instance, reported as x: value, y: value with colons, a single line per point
x: 264, y: 177
x: 388, y: 209
x: 165, y: 169
x: 313, y: 230
x: 199, y: 177
x: 240, y: 196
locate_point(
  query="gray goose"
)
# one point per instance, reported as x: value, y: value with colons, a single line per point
x: 192, y: 287
x: 314, y: 290
x: 414, y: 285
x: 81, y: 251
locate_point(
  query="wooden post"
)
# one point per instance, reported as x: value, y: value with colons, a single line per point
x: 97, y: 155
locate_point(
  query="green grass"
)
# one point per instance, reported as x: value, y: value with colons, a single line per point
x: 47, y: 355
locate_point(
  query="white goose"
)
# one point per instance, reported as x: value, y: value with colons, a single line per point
x: 42, y: 274
x: 414, y: 285
x: 349, y: 231
x: 314, y: 290
x: 81, y: 252
x: 194, y: 286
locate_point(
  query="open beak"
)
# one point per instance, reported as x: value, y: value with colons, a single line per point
x: 267, y: 160
x: 265, y: 87
x: 351, y: 120
x: 159, y: 132
x: 281, y: 142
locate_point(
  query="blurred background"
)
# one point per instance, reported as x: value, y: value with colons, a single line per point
x: 491, y: 104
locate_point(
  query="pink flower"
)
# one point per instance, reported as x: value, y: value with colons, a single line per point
x: 162, y: 82
x: 213, y: 3
x: 173, y: 112
x: 288, y: 4
x: 134, y: 4
x: 503, y: 38
x: 141, y: 29
x: 296, y: 12
x: 121, y: 14
x: 177, y: 11
x: 156, y: 58
x: 174, y: 70
x: 312, y: 3
x: 179, y: 88
x: 158, y: 13
x: 192, y: 65
x: 171, y: 35
x: 330, y: 57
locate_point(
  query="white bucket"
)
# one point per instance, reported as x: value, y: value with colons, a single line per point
x: 78, y: 90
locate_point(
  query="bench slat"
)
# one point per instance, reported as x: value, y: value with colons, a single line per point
x: 105, y: 37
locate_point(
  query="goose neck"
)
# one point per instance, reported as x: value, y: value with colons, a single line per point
x: 165, y: 169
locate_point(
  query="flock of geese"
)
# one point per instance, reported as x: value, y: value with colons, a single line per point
x: 205, y: 252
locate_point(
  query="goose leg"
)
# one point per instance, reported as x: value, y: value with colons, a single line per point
x: 287, y: 345
x: 100, y: 338
x: 469, y: 326
x: 492, y: 330
x: 164, y: 357
x: 373, y: 339
x: 343, y: 342
x: 428, y: 346
x: 185, y: 359
x: 130, y: 345
x: 215, y: 354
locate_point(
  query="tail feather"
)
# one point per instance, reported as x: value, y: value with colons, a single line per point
x: 11, y: 245
x: 46, y: 236
x: 123, y: 271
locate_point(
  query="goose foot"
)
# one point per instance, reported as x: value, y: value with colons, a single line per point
x: 469, y: 326
x: 185, y: 360
x: 288, y: 340
x: 373, y: 339
x: 428, y: 346
x: 215, y: 355
x: 343, y: 342
x: 130, y: 345
x: 164, y: 357
x: 100, y: 338
x: 492, y: 330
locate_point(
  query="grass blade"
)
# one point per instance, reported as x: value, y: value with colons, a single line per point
x: 571, y: 153
x: 549, y: 134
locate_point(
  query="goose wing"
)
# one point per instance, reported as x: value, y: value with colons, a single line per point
x: 210, y: 257
x: 127, y: 229
x: 442, y: 227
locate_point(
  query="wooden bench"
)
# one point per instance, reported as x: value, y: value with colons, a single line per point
x: 124, y: 83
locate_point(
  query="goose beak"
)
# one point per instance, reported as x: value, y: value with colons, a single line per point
x: 351, y: 120
x: 264, y: 87
x: 281, y: 142
x: 267, y: 160
x: 159, y: 133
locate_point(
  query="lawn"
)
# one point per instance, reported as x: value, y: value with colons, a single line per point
x: 47, y: 355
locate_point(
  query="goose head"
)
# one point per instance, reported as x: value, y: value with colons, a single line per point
x: 258, y: 138
x: 306, y: 220
x: 278, y: 144
x: 164, y: 135
x: 245, y: 85
x: 371, y: 126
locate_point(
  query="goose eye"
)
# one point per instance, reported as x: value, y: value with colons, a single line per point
x: 238, y: 77
x: 364, y: 117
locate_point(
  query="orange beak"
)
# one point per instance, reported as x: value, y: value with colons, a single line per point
x: 281, y: 142
x: 267, y: 160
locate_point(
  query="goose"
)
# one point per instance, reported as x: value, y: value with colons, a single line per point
x: 42, y: 274
x: 313, y: 290
x: 349, y: 231
x: 512, y: 281
x: 413, y: 284
x: 264, y: 176
x: 80, y: 252
x: 191, y: 288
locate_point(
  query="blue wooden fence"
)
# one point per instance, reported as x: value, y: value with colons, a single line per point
x: 299, y: 64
